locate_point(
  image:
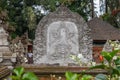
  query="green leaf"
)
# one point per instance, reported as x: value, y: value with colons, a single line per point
x: 117, y: 61
x: 107, y: 56
x: 68, y: 75
x: 101, y: 77
x: 14, y: 78
x: 114, y: 52
x: 118, y: 67
x: 102, y: 66
x: 71, y: 76
x: 29, y: 76
x: 19, y: 71
x: 86, y: 77
x: 115, y: 71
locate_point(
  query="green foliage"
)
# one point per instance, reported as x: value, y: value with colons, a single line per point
x: 29, y: 76
x: 101, y: 66
x: 30, y: 17
x: 86, y: 77
x: 113, y: 5
x: 110, y: 19
x: 3, y: 4
x: 106, y: 17
x: 82, y: 7
x: 117, y: 61
x: 19, y: 71
x: 109, y: 55
x: 19, y: 74
x: 23, y: 16
x: 111, y: 65
x: 13, y: 35
x: 112, y: 9
x: 74, y: 76
x: 71, y: 76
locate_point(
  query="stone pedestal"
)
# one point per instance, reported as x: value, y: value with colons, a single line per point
x: 47, y: 72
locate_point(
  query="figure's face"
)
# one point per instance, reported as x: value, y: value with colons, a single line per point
x: 63, y: 32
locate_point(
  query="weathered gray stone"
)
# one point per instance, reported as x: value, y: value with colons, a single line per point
x: 107, y: 46
x: 59, y: 35
x: 6, y: 56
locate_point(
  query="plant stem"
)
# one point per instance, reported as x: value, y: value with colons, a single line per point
x: 110, y: 70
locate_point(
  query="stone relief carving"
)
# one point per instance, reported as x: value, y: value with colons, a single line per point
x: 62, y: 39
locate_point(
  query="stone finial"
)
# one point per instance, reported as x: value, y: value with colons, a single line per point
x: 63, y: 10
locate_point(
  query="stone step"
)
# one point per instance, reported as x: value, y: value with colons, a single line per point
x: 7, y: 57
x: 4, y: 72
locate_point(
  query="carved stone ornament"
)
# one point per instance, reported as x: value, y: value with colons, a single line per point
x: 59, y: 35
x: 107, y: 47
x: 13, y: 58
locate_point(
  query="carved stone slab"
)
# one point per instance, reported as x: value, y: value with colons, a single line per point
x: 59, y: 35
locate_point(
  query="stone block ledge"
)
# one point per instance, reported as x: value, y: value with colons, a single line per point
x: 60, y: 70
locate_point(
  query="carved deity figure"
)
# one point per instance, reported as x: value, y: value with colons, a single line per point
x: 19, y: 50
x: 63, y: 45
x: 20, y: 47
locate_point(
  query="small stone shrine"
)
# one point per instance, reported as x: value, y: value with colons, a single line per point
x: 6, y: 55
x: 59, y: 35
x: 107, y: 46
